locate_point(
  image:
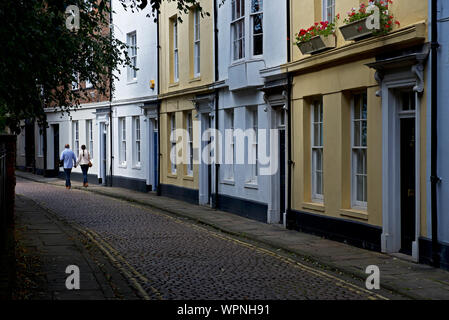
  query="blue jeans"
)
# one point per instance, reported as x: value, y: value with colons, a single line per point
x: 84, y: 168
x: 67, y: 177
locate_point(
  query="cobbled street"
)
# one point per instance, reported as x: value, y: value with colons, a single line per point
x: 172, y: 258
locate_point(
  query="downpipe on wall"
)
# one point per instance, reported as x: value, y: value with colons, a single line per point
x: 434, y: 179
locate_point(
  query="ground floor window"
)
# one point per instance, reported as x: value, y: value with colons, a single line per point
x: 359, y: 129
x: 317, y: 151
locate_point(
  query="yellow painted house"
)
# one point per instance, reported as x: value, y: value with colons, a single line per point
x: 358, y: 118
x: 187, y: 74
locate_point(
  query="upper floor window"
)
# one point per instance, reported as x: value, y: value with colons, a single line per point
x: 238, y: 29
x: 196, y: 43
x: 317, y: 151
x: 175, y: 52
x: 257, y: 26
x: 328, y: 10
x: 359, y: 151
x: 131, y: 40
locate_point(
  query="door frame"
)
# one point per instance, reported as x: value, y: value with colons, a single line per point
x: 274, y: 205
x: 151, y: 117
x: 205, y: 107
x: 391, y: 165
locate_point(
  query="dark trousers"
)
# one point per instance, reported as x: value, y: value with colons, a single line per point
x: 67, y: 177
x: 85, y: 168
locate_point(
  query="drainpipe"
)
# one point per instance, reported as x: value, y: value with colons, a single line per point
x: 289, y: 120
x: 217, y: 76
x: 110, y: 97
x: 434, y: 134
x: 158, y: 191
x: 288, y: 31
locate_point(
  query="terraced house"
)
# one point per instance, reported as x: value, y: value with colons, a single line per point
x: 342, y: 96
x: 187, y: 100
x: 359, y: 117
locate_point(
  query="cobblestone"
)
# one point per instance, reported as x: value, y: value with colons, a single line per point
x: 171, y: 258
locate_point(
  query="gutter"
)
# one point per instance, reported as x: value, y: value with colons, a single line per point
x: 434, y: 179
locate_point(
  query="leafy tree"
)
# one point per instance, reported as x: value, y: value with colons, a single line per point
x: 40, y: 57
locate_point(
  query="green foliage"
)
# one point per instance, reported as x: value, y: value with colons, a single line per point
x: 40, y: 57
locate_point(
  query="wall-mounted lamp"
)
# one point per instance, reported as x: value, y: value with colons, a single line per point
x: 152, y: 84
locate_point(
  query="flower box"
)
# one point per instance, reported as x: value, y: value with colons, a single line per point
x: 357, y: 30
x: 317, y: 44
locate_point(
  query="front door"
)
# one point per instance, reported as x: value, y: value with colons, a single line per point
x: 408, y: 181
x: 29, y: 144
x: 56, y: 148
x: 103, y: 156
x: 282, y: 174
x: 155, y: 155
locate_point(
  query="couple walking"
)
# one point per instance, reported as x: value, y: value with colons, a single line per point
x: 68, y: 160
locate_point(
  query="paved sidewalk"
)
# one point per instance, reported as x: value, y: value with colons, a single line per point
x: 46, y: 246
x: 413, y: 280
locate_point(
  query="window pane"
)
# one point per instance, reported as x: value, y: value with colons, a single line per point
x: 364, y: 134
x: 319, y: 183
x: 319, y: 160
x: 258, y: 35
x: 256, y: 5
x: 357, y: 131
x: 359, y: 182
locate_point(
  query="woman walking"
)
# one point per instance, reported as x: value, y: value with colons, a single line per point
x: 84, y: 161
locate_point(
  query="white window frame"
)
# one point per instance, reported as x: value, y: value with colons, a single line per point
x: 230, y: 119
x: 76, y: 136
x: 175, y: 52
x: 254, y: 144
x: 328, y: 10
x: 355, y: 152
x: 90, y: 137
x: 137, y: 141
x: 122, y: 122
x: 173, y: 143
x: 253, y: 36
x: 131, y: 41
x: 40, y: 149
x: 189, y: 126
x: 238, y: 21
x: 317, y: 148
x: 196, y: 43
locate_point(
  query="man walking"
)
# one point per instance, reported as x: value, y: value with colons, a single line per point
x: 69, y: 158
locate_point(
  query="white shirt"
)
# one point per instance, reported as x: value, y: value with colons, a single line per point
x: 84, y: 158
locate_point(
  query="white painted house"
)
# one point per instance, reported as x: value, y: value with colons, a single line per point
x: 134, y: 102
x: 251, y: 47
